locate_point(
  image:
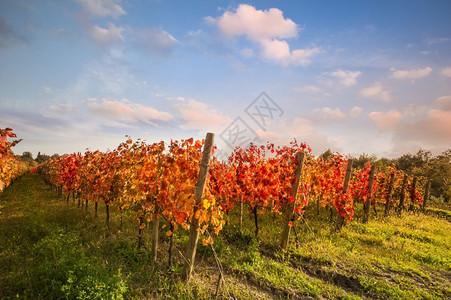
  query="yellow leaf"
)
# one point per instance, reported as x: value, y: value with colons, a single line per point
x: 206, y: 204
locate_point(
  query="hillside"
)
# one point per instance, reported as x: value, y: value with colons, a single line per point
x: 52, y: 249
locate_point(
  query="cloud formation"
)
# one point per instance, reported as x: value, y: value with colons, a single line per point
x: 386, y: 120
x: 154, y: 40
x: 446, y: 71
x: 8, y: 37
x: 103, y: 8
x: 433, y: 132
x: 328, y: 114
x: 411, y: 74
x: 111, y: 34
x: 444, y: 102
x: 269, y: 28
x: 64, y: 108
x: 199, y: 116
x: 308, y: 88
x: 375, y: 91
x: 355, y: 111
x: 125, y: 111
x: 344, y: 77
x: 302, y: 130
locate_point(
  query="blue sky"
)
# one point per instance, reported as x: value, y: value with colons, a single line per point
x: 353, y: 76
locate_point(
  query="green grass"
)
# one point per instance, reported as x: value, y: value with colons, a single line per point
x: 50, y: 249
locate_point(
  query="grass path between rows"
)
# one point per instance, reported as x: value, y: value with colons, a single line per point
x: 50, y: 249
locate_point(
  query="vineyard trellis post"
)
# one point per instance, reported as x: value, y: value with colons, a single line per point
x: 291, y: 207
x: 200, y: 187
x: 389, y: 194
x: 367, y: 204
x: 426, y: 194
x: 155, y: 227
x: 340, y: 217
x: 412, y: 193
x: 402, y: 196
x: 241, y: 215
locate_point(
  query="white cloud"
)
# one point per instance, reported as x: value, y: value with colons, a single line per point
x: 355, y: 111
x: 446, y: 71
x: 432, y: 132
x: 302, y: 130
x: 308, y: 88
x: 279, y: 52
x: 256, y: 24
x: 411, y: 74
x: 126, y: 111
x: 247, y: 52
x: 103, y: 8
x: 444, y: 102
x: 345, y: 77
x: 47, y: 90
x: 154, y: 40
x: 375, y: 91
x: 432, y: 41
x: 64, y: 108
x: 328, y: 114
x: 110, y: 34
x: 199, y: 116
x: 386, y: 120
x: 268, y: 28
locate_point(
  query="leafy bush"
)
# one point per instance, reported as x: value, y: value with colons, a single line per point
x: 89, y: 287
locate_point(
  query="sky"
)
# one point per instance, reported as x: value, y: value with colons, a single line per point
x: 355, y: 77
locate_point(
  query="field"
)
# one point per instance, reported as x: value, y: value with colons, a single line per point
x: 51, y: 249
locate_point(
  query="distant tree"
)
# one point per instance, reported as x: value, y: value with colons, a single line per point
x: 41, y: 158
x: 362, y: 160
x: 27, y: 156
x: 414, y: 163
x: 327, y: 154
x: 437, y: 169
x: 384, y: 162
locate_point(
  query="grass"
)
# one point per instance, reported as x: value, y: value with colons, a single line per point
x: 50, y: 249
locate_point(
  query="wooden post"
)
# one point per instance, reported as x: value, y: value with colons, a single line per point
x: 241, y: 215
x: 156, y: 226
x: 291, y: 206
x: 254, y: 210
x: 140, y: 230
x: 412, y: 194
x: 317, y: 206
x: 340, y: 218
x: 426, y: 194
x: 200, y: 187
x: 108, y: 216
x: 171, y: 243
x: 389, y: 192
x: 401, y: 199
x: 367, y: 204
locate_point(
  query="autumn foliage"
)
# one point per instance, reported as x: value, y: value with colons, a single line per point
x: 158, y: 180
x: 10, y: 165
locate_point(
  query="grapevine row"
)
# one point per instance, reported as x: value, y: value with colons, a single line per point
x: 160, y: 180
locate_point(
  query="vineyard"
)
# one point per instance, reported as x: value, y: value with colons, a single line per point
x: 183, y: 190
x: 11, y: 167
